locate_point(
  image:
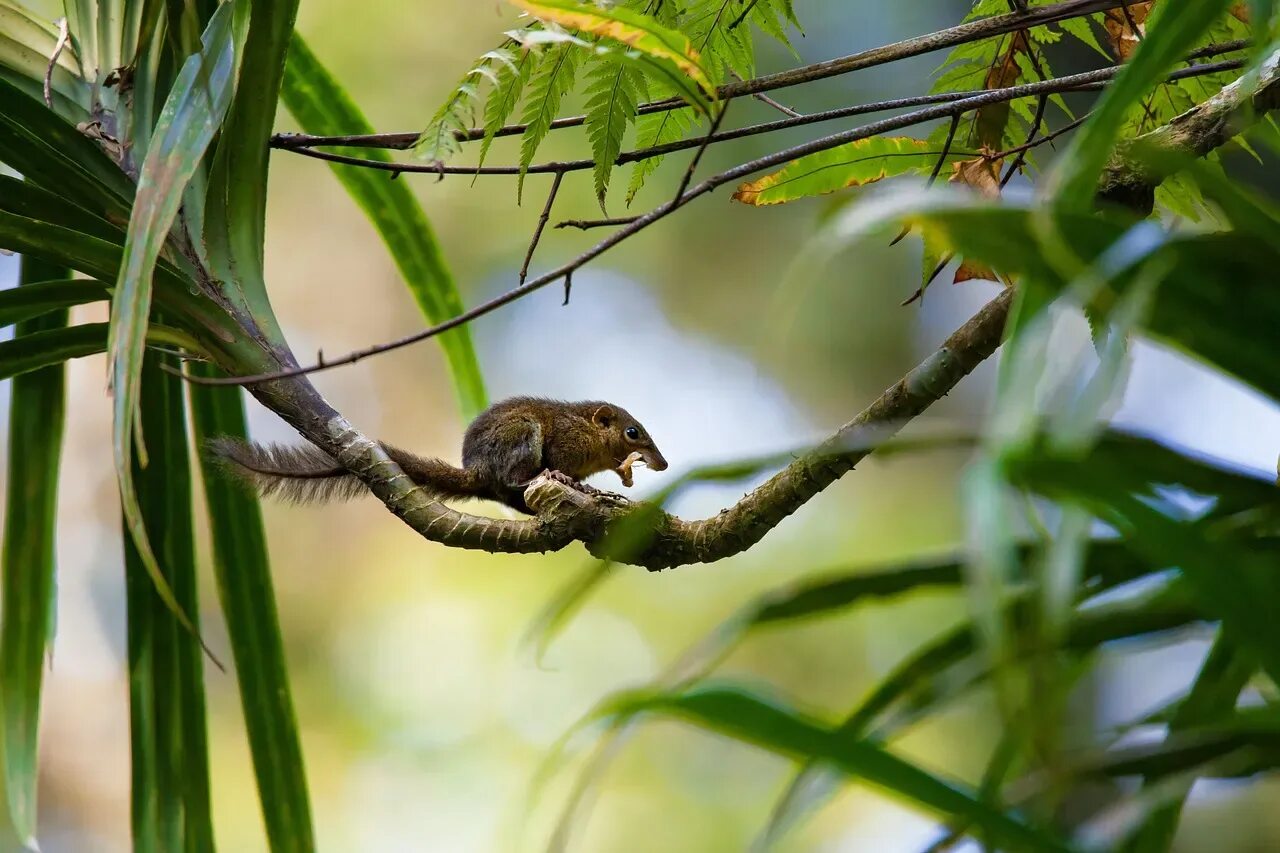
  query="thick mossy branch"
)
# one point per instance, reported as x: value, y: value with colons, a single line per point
x: 1141, y: 164
x: 664, y: 541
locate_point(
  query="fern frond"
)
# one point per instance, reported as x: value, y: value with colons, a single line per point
x: 658, y: 129
x: 504, y: 96
x: 554, y: 77
x: 613, y: 90
x: 442, y: 137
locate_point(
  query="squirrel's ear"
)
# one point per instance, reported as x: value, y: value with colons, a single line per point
x: 603, y: 416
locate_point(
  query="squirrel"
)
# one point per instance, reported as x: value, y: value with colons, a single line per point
x: 504, y: 449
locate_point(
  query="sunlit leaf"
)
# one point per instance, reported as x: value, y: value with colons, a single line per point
x: 633, y: 29
x: 851, y: 165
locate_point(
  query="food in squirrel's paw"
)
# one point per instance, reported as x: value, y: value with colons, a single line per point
x: 624, y: 470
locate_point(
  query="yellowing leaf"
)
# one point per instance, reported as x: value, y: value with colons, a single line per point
x: 1126, y: 27
x: 851, y: 165
x: 1240, y: 12
x: 991, y: 120
x: 633, y: 29
x: 982, y: 174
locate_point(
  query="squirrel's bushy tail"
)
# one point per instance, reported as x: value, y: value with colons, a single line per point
x: 306, y: 474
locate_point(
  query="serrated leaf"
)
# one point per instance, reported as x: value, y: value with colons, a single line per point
x: 851, y: 165
x: 441, y: 138
x: 638, y: 31
x: 505, y: 96
x: 613, y: 89
x: 657, y: 129
x: 191, y: 116
x: 552, y: 80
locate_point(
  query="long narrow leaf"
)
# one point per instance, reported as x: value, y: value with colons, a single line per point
x: 51, y: 152
x: 322, y: 106
x: 36, y: 410
x: 236, y: 213
x: 1074, y: 179
x: 191, y: 115
x: 43, y: 348
x: 770, y: 726
x: 248, y: 604
x: 170, y: 751
x: 35, y: 299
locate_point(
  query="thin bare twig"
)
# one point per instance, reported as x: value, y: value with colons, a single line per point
x: 542, y: 224
x: 767, y: 101
x: 64, y: 36
x: 743, y: 15
x: 706, y: 186
x: 1031, y: 135
x: 941, y: 40
x: 697, y: 157
x: 585, y: 224
x: 305, y: 145
x: 946, y: 149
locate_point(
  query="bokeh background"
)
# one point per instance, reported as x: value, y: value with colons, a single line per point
x: 424, y: 714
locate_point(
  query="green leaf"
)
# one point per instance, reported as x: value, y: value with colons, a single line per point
x: 166, y: 680
x: 32, y: 202
x: 634, y: 29
x: 26, y: 43
x: 39, y: 349
x: 1214, y: 694
x: 36, y: 416
x: 1244, y: 314
x: 1073, y: 181
x: 35, y: 299
x: 751, y: 719
x: 1121, y: 480
x: 851, y: 165
x: 721, y: 46
x: 613, y: 89
x: 657, y: 129
x: 52, y: 154
x: 235, y: 215
x: 553, y: 78
x: 191, y: 116
x: 248, y: 603
x: 504, y: 96
x: 441, y: 138
x: 321, y: 106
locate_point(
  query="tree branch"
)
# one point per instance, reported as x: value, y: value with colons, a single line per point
x: 706, y: 186
x: 941, y: 40
x: 1141, y: 164
x: 304, y: 144
x: 565, y: 514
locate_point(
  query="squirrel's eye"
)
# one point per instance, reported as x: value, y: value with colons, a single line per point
x: 633, y: 433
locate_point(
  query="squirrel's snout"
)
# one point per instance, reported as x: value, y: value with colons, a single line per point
x: 653, y: 460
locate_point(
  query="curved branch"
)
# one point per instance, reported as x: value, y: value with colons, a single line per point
x: 566, y: 515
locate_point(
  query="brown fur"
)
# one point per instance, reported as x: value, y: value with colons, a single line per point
x: 508, y: 445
